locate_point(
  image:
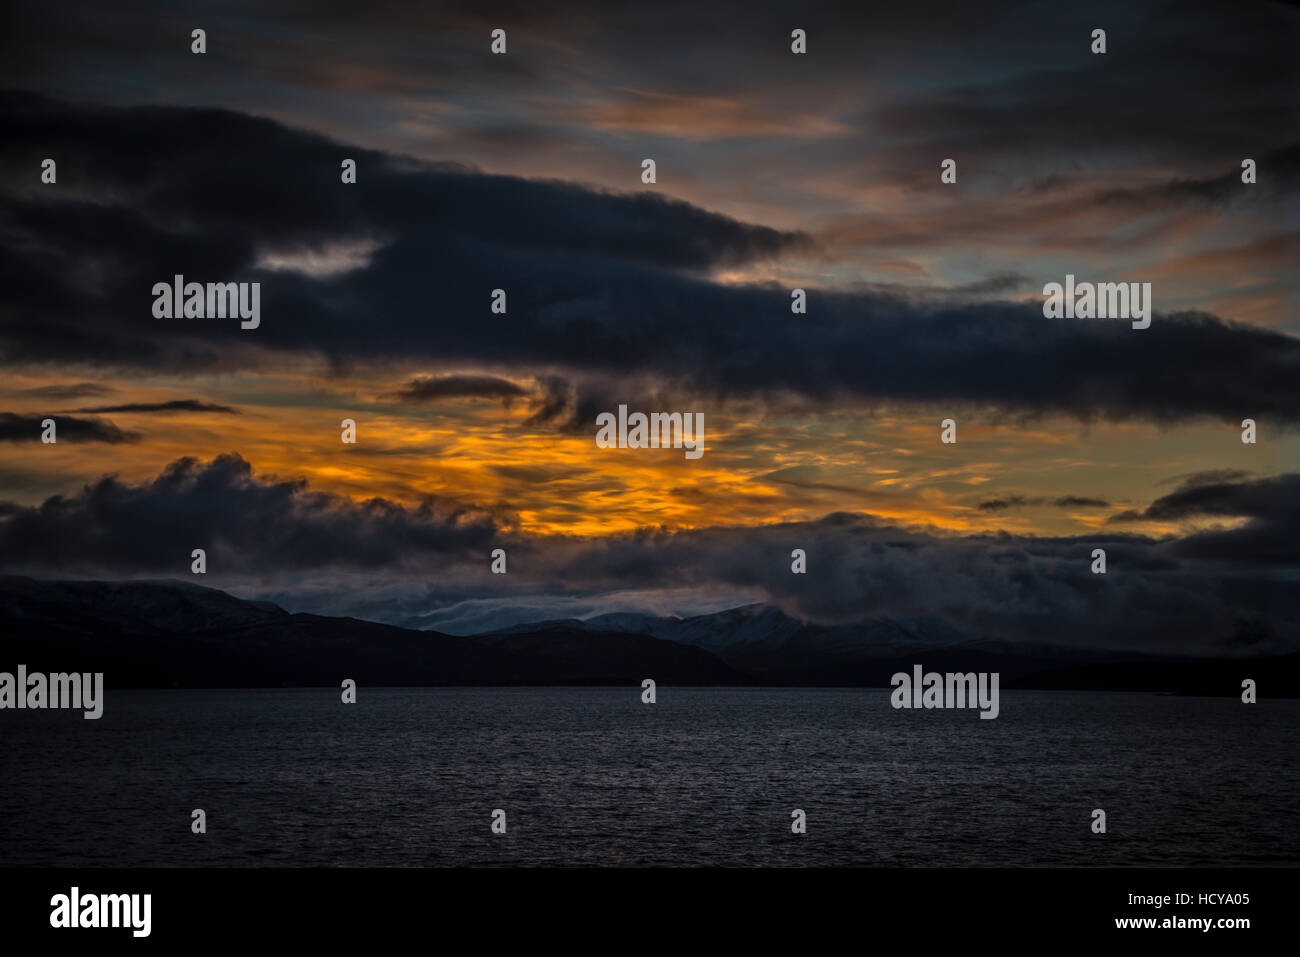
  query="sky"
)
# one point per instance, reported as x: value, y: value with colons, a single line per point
x: 774, y: 171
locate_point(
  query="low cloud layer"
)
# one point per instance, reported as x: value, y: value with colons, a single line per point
x: 1170, y: 595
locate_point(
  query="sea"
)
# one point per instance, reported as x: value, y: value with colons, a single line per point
x: 594, y: 777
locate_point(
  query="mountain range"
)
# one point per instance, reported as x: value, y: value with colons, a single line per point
x: 165, y: 634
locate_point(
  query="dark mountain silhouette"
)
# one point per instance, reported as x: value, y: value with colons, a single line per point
x: 175, y: 634
x: 772, y: 647
x: 775, y: 649
x: 172, y: 634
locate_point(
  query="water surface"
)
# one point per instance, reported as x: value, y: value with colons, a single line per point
x: 591, y: 776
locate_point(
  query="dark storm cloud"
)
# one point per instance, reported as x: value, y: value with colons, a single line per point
x: 1267, y: 532
x: 1260, y: 498
x: 244, y: 524
x: 458, y: 386
x: 28, y: 428
x: 1223, y: 493
x: 1065, y: 501
x: 175, y: 405
x: 604, y: 289
x: 1168, y: 595
x: 171, y: 175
